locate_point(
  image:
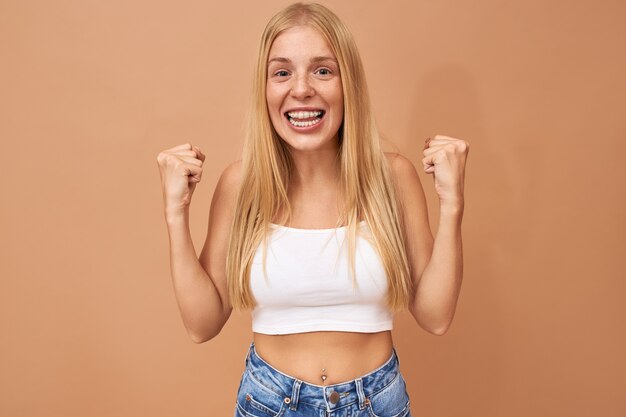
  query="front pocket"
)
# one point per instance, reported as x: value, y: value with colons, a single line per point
x: 391, y: 401
x: 256, y: 400
x: 256, y: 405
x: 404, y: 412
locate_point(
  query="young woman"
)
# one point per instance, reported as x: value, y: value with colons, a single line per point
x: 317, y: 231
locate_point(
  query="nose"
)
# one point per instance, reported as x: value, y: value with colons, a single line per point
x: 301, y: 87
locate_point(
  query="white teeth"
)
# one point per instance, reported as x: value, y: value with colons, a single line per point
x: 303, y: 114
x: 304, y: 124
x: 295, y: 115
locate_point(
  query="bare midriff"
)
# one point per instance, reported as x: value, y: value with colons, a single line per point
x: 341, y: 356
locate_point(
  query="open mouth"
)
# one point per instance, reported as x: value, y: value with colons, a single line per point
x: 304, y: 118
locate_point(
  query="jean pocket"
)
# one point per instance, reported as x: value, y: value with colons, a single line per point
x: 255, y: 405
x: 256, y: 401
x: 391, y: 401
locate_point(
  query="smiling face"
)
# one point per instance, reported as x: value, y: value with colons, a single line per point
x: 304, y: 92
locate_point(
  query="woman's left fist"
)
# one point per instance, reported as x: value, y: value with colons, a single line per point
x: 445, y: 157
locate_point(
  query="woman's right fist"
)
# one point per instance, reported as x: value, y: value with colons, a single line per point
x: 181, y: 169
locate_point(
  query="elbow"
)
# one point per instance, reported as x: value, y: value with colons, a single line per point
x: 199, y: 338
x: 205, y: 336
x: 441, y: 328
x: 435, y: 327
x: 208, y: 332
x: 435, y: 330
x: 439, y: 331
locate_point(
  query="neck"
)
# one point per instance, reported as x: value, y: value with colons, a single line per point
x: 315, y: 169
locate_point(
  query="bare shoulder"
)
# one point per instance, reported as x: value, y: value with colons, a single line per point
x: 403, y: 170
x: 231, y: 175
x: 409, y: 192
x: 225, y: 194
x: 222, y: 209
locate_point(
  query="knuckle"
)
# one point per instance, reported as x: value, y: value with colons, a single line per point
x: 166, y: 159
x: 449, y: 147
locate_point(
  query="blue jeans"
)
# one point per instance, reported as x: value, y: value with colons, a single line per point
x: 265, y: 391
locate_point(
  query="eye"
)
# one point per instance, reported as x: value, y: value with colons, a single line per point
x: 281, y: 73
x: 324, y: 71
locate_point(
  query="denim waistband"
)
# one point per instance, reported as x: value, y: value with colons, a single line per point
x: 295, y: 390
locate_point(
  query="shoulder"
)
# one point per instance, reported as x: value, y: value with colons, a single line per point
x: 228, y: 185
x: 407, y: 183
x: 231, y: 175
x: 230, y: 180
x: 402, y: 168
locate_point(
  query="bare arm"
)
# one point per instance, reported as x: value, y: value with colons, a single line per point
x: 436, y: 266
x: 440, y: 284
x: 200, y: 283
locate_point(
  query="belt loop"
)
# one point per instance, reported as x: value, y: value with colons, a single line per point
x: 248, y: 354
x: 295, y: 394
x: 360, y: 393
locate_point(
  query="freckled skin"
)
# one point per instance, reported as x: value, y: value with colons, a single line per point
x: 304, y: 82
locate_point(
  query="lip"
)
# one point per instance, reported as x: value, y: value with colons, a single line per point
x: 304, y: 109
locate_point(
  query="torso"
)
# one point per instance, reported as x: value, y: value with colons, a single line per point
x: 343, y: 355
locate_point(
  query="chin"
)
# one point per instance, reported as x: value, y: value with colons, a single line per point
x: 303, y: 143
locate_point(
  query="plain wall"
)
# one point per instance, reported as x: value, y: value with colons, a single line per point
x: 91, y: 91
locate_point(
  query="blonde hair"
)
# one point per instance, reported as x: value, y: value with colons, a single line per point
x: 366, y: 180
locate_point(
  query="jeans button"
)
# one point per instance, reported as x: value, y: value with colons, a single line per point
x: 334, y: 397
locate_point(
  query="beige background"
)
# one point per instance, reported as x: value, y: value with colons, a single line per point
x: 91, y: 91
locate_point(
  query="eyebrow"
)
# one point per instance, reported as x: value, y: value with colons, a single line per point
x: 314, y: 59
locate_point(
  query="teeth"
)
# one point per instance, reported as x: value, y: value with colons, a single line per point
x: 298, y: 123
x: 304, y: 114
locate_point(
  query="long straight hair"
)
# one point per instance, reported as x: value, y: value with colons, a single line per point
x: 366, y: 181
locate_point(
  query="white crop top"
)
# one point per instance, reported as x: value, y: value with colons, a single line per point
x: 309, y: 288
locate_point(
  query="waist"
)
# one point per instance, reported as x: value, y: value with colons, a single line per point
x: 343, y: 356
x: 332, y: 396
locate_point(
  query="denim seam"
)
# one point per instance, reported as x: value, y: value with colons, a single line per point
x: 265, y: 409
x: 402, y: 413
x: 262, y: 385
x: 360, y: 393
x: 386, y: 386
x: 295, y: 394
